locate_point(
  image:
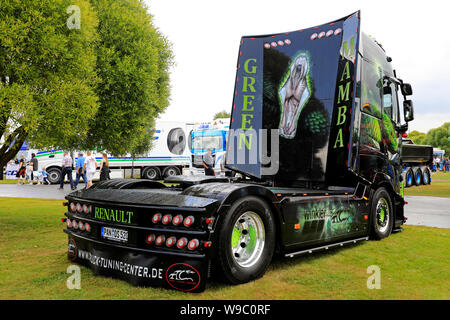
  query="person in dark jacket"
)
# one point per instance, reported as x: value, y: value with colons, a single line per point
x: 104, y: 168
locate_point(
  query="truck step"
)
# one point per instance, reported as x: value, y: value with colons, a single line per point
x: 311, y: 250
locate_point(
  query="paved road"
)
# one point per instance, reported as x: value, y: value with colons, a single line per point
x: 425, y: 211
x: 428, y: 211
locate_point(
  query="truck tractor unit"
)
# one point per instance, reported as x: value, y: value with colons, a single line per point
x: 210, y: 135
x: 315, y: 137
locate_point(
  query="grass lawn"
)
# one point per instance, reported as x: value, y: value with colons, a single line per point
x: 439, y: 187
x: 414, y: 265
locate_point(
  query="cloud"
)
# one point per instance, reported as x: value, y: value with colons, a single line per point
x: 425, y: 121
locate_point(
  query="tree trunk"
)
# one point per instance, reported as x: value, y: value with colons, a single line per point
x: 8, y: 152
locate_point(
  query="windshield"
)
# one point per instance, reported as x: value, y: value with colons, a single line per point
x: 206, y: 142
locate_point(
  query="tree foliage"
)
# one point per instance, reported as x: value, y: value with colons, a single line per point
x: 417, y: 137
x: 222, y: 114
x: 439, y: 138
x: 47, y: 74
x: 133, y: 63
x: 97, y: 86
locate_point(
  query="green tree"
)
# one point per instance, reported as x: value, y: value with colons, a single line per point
x: 417, y: 137
x: 133, y: 62
x: 438, y: 138
x: 97, y: 86
x: 47, y: 74
x: 222, y: 114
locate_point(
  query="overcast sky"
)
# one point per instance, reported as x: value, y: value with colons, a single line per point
x: 206, y: 34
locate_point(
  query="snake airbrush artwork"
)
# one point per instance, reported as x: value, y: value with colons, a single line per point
x: 294, y: 94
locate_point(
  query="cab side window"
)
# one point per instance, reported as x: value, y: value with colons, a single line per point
x: 371, y: 89
x: 390, y: 103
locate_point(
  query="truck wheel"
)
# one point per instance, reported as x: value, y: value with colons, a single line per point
x: 151, y: 173
x: 426, y: 176
x: 409, y: 177
x: 171, y: 171
x: 418, y: 177
x: 54, y: 175
x: 246, y: 240
x: 381, y: 215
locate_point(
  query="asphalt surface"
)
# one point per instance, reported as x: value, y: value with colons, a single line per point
x: 421, y: 211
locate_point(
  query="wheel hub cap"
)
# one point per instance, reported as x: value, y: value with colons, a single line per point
x: 247, y: 241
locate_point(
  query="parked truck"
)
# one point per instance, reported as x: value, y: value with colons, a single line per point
x: 415, y: 160
x: 210, y: 135
x: 327, y: 100
x: 167, y: 157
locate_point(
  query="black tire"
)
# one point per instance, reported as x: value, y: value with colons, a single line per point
x: 426, y: 176
x: 229, y: 268
x: 54, y: 175
x: 418, y: 176
x: 409, y: 177
x: 379, y: 227
x: 171, y: 171
x: 151, y: 173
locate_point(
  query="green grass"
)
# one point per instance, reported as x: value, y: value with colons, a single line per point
x: 439, y: 187
x: 8, y: 181
x: 414, y: 265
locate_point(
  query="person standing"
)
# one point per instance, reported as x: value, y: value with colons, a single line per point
x: 22, y: 170
x: 208, y: 163
x: 35, y: 168
x: 79, y: 170
x: 90, y: 166
x: 104, y: 168
x: 66, y: 170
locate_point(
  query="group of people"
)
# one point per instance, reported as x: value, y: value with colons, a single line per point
x: 439, y: 165
x: 29, y: 171
x: 85, y: 168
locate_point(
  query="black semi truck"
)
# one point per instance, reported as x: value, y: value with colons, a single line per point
x: 327, y: 100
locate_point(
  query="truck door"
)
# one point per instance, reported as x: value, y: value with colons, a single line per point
x: 391, y: 141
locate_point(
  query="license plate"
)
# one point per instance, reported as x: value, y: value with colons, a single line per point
x: 114, y: 234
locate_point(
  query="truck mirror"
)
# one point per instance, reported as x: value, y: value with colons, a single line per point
x: 408, y: 110
x: 406, y: 89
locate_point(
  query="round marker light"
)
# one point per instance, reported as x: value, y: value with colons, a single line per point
x: 69, y: 223
x: 337, y: 31
x: 314, y: 36
x: 167, y: 219
x: 329, y: 33
x: 85, y: 208
x: 79, y: 207
x: 287, y: 41
x: 193, y: 244
x: 267, y: 45
x: 160, y: 240
x: 74, y: 224
x: 273, y: 44
x: 72, y: 207
x: 156, y: 217
x: 321, y: 35
x: 177, y: 220
x: 280, y: 43
x: 188, y: 221
x: 181, y: 243
x: 87, y: 227
x: 171, y: 241
x: 80, y: 225
x: 150, y: 238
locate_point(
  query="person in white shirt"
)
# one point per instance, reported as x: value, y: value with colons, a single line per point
x: 66, y: 170
x: 89, y: 166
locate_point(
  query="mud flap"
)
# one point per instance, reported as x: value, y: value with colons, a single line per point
x: 139, y: 269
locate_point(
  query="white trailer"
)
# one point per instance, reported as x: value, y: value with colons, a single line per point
x: 167, y: 157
